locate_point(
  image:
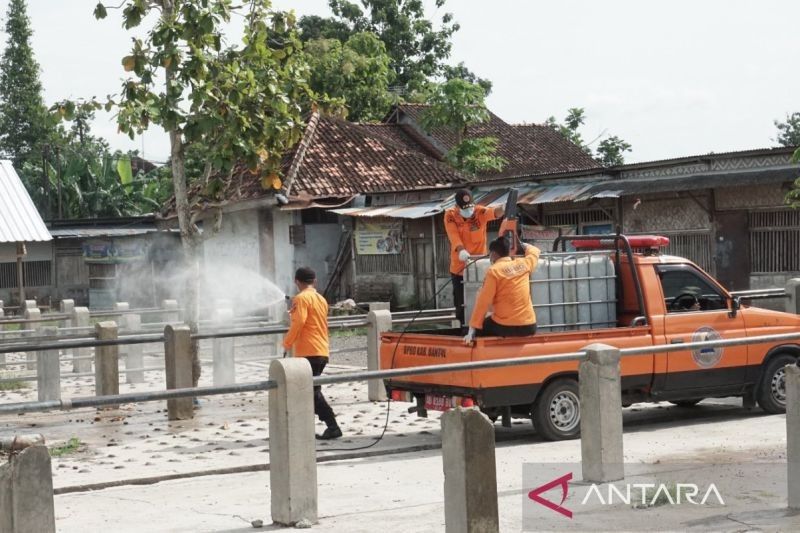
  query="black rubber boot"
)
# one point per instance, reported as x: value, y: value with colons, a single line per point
x: 331, y: 432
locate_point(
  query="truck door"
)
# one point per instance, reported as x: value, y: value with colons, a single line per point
x: 697, y: 310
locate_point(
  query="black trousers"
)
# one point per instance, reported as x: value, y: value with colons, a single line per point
x: 321, y: 407
x: 458, y: 296
x: 493, y: 329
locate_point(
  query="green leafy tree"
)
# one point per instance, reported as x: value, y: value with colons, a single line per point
x: 356, y: 72
x: 460, y: 71
x: 417, y: 48
x: 242, y: 104
x: 610, y: 151
x: 24, y: 122
x: 457, y: 105
x: 789, y: 131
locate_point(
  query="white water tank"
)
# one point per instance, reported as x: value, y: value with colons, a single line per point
x: 569, y: 290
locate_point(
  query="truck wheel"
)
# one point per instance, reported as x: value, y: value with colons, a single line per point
x: 687, y: 403
x: 772, y: 388
x: 557, y: 412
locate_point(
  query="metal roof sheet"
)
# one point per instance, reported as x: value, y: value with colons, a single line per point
x: 65, y: 233
x: 706, y: 180
x: 528, y: 195
x: 19, y: 219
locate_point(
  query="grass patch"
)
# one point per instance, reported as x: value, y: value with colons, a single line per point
x: 352, y: 332
x: 13, y: 385
x: 71, y: 446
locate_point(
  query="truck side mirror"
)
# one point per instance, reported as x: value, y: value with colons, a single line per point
x: 736, y: 304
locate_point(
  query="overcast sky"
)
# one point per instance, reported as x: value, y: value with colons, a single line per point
x: 673, y: 78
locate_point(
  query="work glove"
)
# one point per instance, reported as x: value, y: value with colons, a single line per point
x: 470, y: 337
x: 463, y: 256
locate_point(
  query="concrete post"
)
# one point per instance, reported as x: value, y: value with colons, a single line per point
x: 379, y: 306
x: 292, y: 453
x: 178, y: 359
x: 122, y: 306
x: 793, y: 301
x: 106, y: 360
x: 171, y: 314
x: 470, y: 476
x: 26, y: 493
x: 32, y: 313
x: 223, y: 351
x: 29, y: 304
x: 793, y: 434
x: 48, y: 370
x: 67, y: 307
x: 80, y: 319
x: 379, y: 322
x: 601, y: 415
x: 134, y: 357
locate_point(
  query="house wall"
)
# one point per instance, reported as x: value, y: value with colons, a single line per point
x: 665, y: 213
x: 319, y: 250
x: 750, y: 197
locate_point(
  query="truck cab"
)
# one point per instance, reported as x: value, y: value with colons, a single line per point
x: 657, y: 299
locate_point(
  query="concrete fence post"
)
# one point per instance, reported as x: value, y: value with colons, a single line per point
x: 223, y: 350
x: 178, y: 359
x: 379, y: 322
x: 470, y: 475
x: 32, y: 313
x: 26, y: 492
x: 29, y: 304
x: 292, y: 452
x: 793, y: 434
x: 48, y: 370
x: 66, y: 307
x: 793, y: 291
x: 81, y: 319
x: 171, y: 314
x: 106, y: 360
x: 134, y: 353
x: 601, y: 414
x: 379, y: 306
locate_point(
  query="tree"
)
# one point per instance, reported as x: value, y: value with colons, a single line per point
x: 789, y: 131
x: 356, y: 72
x: 417, y: 49
x: 242, y: 104
x: 456, y: 105
x: 460, y: 71
x: 24, y: 122
x: 610, y: 151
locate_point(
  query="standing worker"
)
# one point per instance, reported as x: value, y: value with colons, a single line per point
x: 465, y: 224
x: 507, y: 288
x: 308, y: 335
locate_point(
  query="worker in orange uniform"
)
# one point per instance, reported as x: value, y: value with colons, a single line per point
x: 465, y: 224
x: 308, y: 336
x: 507, y: 289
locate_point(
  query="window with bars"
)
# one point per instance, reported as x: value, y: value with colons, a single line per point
x: 774, y: 241
x: 34, y: 274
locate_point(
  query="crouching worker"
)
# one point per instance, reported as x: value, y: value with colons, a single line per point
x: 507, y: 289
x: 308, y: 336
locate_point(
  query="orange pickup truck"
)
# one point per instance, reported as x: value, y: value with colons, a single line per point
x: 660, y: 299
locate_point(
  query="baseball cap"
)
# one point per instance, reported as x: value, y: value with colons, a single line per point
x: 464, y: 198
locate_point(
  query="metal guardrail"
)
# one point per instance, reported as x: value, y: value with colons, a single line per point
x: 377, y: 374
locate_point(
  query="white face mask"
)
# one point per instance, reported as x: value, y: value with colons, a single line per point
x: 468, y: 212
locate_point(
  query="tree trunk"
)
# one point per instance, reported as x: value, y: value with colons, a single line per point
x: 189, y: 235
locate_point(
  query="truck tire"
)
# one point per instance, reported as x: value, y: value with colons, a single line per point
x: 687, y: 403
x: 557, y: 411
x: 772, y: 387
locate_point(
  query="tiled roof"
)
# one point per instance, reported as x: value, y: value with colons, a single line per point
x: 347, y: 159
x: 527, y: 149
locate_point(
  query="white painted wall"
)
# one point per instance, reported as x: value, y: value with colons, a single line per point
x: 319, y: 251
x: 284, y: 251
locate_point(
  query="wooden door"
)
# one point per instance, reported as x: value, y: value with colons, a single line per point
x: 423, y: 271
x: 732, y: 250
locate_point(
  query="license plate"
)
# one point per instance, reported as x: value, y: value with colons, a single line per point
x: 435, y: 402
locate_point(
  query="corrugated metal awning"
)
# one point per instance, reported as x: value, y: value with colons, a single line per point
x: 693, y: 182
x: 528, y: 195
x: 78, y: 233
x: 19, y: 219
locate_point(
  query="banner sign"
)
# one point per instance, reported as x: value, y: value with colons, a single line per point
x: 379, y: 237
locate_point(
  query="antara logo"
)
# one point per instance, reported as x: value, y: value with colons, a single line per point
x: 645, y: 494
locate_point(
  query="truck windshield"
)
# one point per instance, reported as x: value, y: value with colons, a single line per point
x: 685, y: 289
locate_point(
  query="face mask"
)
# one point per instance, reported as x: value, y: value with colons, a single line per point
x: 467, y: 213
